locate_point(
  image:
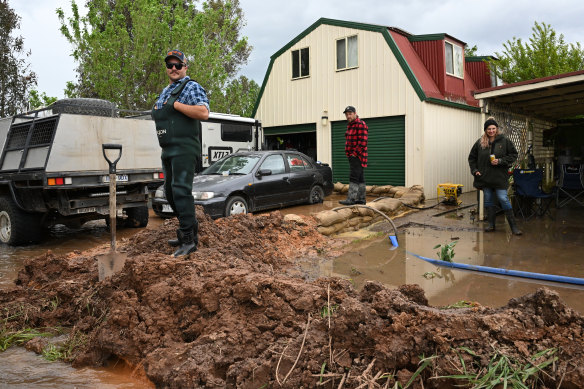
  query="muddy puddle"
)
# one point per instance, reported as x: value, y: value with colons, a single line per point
x: 547, y: 246
x: 24, y: 369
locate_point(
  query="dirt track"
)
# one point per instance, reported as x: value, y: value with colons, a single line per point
x: 231, y: 316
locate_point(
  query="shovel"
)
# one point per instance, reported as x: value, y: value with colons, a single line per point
x: 113, y: 262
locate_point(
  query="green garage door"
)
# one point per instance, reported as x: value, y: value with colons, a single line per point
x: 295, y: 129
x: 386, y: 148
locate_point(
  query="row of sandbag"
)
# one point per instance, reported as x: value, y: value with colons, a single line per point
x: 381, y: 190
x: 390, y: 203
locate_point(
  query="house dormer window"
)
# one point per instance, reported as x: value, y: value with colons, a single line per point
x: 454, y: 63
x: 347, y: 53
x: 300, y: 63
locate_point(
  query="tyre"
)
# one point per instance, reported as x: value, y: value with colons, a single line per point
x: 316, y: 195
x: 235, y: 205
x: 137, y: 217
x: 95, y: 107
x: 16, y: 226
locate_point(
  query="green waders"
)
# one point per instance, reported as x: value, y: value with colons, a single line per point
x: 178, y: 136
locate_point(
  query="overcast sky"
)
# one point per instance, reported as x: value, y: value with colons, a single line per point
x: 273, y: 23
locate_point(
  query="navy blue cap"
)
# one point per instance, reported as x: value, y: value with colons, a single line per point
x: 177, y: 54
x: 349, y: 108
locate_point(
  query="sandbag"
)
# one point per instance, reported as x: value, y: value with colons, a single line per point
x: 338, y: 186
x: 332, y: 229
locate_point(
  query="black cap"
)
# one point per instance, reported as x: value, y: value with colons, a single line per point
x: 349, y: 108
x: 177, y: 54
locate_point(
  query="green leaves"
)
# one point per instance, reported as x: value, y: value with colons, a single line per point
x: 446, y: 252
x: 546, y: 54
x: 120, y: 47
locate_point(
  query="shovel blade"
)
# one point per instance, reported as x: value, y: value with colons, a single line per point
x: 109, y: 264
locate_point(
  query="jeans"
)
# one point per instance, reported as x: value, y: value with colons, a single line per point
x: 501, y: 196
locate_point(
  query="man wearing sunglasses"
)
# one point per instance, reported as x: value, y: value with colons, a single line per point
x: 177, y: 112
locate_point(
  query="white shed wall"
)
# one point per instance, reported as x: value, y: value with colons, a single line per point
x: 377, y: 88
x: 448, y: 129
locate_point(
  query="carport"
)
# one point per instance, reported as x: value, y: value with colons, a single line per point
x: 545, y: 113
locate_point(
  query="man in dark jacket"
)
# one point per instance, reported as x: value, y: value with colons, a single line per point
x: 489, y: 160
x: 176, y: 113
x: 356, y: 151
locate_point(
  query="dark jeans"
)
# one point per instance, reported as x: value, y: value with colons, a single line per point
x: 356, y: 173
x: 178, y: 185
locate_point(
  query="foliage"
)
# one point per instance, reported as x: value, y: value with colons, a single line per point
x: 503, y: 370
x: 36, y: 100
x: 461, y: 304
x: 10, y: 338
x: 120, y: 46
x: 546, y: 54
x: 16, y: 78
x: 446, y: 252
x: 470, y: 51
x: 325, y: 312
x: 239, y: 97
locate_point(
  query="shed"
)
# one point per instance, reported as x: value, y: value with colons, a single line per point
x: 413, y: 91
x: 546, y: 113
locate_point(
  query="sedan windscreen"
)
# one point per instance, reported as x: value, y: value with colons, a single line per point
x: 234, y: 164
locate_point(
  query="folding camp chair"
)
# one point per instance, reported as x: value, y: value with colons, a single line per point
x: 531, y: 200
x: 570, y: 185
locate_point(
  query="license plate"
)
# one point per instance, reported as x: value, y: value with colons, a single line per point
x: 167, y: 208
x: 119, y: 178
x: 87, y: 210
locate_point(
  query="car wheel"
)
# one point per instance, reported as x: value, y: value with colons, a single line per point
x: 16, y: 226
x: 137, y: 217
x: 316, y: 195
x: 235, y: 205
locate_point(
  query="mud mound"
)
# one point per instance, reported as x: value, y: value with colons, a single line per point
x: 229, y: 316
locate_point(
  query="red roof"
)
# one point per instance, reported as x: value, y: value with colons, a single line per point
x: 532, y: 81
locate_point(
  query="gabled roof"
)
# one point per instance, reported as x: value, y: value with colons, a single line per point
x: 420, y: 79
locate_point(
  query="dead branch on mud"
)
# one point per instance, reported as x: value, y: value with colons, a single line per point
x: 297, y: 357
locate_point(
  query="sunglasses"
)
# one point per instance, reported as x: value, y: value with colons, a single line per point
x: 178, y: 66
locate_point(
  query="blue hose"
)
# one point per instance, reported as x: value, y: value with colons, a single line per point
x: 506, y: 272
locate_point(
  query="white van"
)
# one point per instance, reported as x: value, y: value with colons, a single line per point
x: 223, y: 134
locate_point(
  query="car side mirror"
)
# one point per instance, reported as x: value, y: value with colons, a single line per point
x: 264, y: 172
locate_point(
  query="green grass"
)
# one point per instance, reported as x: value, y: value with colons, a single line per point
x: 460, y: 304
x: 504, y: 371
x: 15, y: 338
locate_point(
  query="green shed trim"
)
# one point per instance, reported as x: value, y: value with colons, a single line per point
x: 453, y: 104
x: 358, y: 26
x: 427, y: 37
x: 481, y: 58
x: 365, y: 27
x: 293, y: 129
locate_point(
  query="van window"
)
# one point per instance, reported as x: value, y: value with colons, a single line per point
x: 235, y: 133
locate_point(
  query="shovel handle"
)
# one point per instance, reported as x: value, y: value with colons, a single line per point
x: 112, y: 164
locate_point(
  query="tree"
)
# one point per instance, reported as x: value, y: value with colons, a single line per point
x: 470, y: 51
x: 120, y: 45
x: 15, y: 75
x: 239, y: 97
x: 546, y: 54
x: 36, y: 100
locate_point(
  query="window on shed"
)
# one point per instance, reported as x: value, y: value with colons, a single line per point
x: 236, y: 133
x: 495, y: 80
x: 300, y: 63
x: 347, y: 53
x: 453, y: 54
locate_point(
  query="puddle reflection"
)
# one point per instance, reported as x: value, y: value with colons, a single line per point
x: 373, y: 260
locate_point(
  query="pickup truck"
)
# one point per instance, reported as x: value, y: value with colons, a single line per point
x: 53, y: 171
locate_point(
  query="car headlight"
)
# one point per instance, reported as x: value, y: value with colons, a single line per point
x: 203, y: 195
x: 159, y: 194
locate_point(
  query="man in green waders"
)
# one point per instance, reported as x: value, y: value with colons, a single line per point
x: 177, y: 112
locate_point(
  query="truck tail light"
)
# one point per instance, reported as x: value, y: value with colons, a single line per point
x: 57, y: 181
x: 158, y: 176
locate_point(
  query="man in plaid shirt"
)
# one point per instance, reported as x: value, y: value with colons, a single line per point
x: 177, y: 112
x: 356, y: 151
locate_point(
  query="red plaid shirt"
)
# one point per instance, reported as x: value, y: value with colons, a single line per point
x: 356, y: 140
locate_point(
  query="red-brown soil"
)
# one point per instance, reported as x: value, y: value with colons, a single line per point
x: 230, y: 315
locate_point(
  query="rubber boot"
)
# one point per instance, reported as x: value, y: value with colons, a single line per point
x: 361, y: 194
x: 351, y: 195
x: 175, y: 242
x: 187, y: 246
x: 491, y: 216
x: 512, y: 222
